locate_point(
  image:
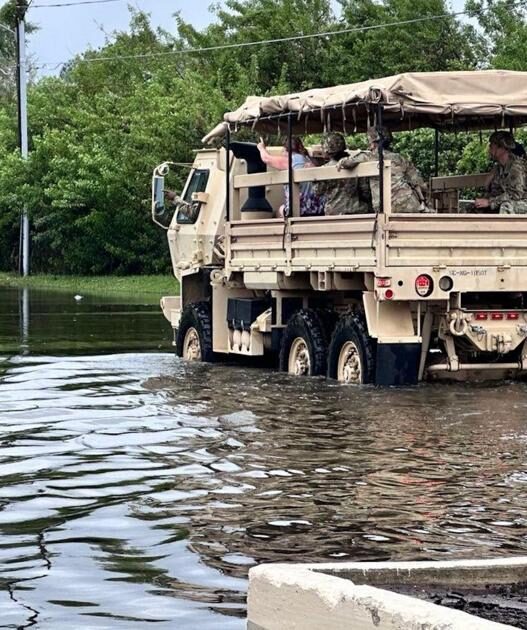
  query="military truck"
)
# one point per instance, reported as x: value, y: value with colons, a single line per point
x: 381, y: 298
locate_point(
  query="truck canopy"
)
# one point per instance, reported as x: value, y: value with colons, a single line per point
x: 482, y: 99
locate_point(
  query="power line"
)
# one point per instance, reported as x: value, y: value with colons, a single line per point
x: 71, y: 4
x: 262, y: 42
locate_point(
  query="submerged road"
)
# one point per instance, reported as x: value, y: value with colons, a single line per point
x: 136, y: 490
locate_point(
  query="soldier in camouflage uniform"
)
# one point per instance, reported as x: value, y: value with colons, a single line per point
x: 507, y: 187
x: 342, y: 196
x: 408, y: 187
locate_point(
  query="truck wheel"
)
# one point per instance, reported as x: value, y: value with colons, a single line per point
x: 303, y: 348
x: 194, y: 336
x: 351, y: 356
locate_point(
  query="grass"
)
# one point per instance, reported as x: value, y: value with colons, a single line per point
x: 95, y: 285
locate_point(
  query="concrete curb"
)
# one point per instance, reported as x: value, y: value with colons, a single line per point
x: 340, y: 596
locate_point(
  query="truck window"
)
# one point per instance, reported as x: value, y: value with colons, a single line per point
x: 198, y: 183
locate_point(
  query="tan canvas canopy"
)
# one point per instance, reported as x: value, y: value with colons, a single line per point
x: 462, y: 100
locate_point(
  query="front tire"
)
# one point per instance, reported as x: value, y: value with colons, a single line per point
x: 303, y: 349
x: 194, y: 336
x: 351, y: 355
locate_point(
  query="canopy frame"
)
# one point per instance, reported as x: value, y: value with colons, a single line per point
x: 468, y: 100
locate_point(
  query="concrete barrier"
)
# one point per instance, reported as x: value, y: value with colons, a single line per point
x: 341, y: 596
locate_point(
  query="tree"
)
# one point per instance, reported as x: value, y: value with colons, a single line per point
x: 297, y: 65
x: 504, y: 23
x: 8, y: 68
x: 427, y: 44
x: 97, y: 131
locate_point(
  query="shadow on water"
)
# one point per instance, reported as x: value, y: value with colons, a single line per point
x: 137, y: 490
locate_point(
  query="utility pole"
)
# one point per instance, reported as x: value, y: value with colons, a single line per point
x: 21, y: 8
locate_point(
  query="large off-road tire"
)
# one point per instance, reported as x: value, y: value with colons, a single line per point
x: 194, y: 336
x: 351, y: 354
x: 303, y: 349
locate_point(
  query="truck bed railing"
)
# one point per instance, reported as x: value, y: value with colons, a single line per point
x: 315, y: 174
x: 455, y: 240
x: 341, y: 243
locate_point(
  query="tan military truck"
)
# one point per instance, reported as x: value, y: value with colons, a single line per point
x: 376, y: 298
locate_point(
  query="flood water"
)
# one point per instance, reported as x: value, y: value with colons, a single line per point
x: 136, y: 490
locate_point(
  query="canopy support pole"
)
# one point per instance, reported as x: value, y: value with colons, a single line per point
x: 228, y: 174
x: 380, y: 147
x: 436, y: 153
x: 290, y: 163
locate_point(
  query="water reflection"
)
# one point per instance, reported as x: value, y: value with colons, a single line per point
x: 40, y: 322
x: 136, y: 489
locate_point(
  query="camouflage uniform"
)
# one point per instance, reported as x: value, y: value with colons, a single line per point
x: 342, y: 196
x: 507, y: 187
x: 407, y: 183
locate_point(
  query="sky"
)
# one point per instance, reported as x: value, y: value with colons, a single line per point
x: 66, y: 31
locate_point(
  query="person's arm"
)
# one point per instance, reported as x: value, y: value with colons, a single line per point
x: 513, y: 189
x: 279, y: 162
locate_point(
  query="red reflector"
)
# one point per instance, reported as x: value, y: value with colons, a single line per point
x: 388, y: 294
x: 423, y: 285
x: 496, y: 315
x: 384, y: 282
x: 480, y: 316
x: 513, y: 315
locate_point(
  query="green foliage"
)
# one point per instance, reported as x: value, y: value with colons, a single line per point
x: 459, y: 153
x: 97, y: 133
x: 504, y: 23
x: 430, y: 44
x: 99, y: 128
x: 276, y: 67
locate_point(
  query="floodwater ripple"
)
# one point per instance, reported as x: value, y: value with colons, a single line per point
x: 137, y: 490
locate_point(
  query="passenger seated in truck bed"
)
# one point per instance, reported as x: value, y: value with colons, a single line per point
x: 408, y: 187
x: 342, y: 196
x: 506, y: 188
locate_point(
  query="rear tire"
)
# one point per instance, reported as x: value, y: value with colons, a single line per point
x: 303, y: 349
x: 194, y: 336
x: 351, y: 355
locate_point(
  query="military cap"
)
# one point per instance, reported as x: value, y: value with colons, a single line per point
x: 377, y: 133
x: 503, y: 139
x: 333, y: 143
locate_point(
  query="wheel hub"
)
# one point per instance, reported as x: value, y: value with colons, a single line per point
x: 192, y: 345
x: 299, y: 360
x: 349, y: 367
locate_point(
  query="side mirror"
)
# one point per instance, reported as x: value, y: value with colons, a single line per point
x: 158, y: 195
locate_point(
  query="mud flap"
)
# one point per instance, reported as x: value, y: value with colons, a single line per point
x: 397, y: 363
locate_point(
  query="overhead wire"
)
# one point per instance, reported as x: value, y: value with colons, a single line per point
x: 262, y: 42
x: 276, y: 40
x: 71, y: 4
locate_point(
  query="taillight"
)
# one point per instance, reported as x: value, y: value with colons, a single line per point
x: 424, y: 285
x: 481, y: 316
x: 513, y: 316
x: 384, y: 282
x: 388, y: 294
x: 496, y: 316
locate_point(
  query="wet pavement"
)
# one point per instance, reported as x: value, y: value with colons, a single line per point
x: 137, y: 490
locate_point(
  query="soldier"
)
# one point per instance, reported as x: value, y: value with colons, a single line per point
x: 506, y: 188
x: 342, y: 196
x: 408, y: 187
